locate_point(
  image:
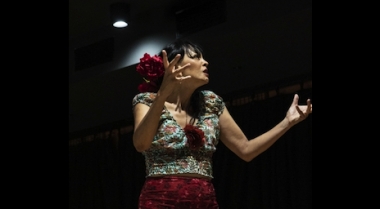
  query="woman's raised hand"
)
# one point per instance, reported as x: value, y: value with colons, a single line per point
x: 173, y: 74
x: 297, y: 113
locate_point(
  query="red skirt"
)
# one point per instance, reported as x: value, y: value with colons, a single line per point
x: 177, y: 192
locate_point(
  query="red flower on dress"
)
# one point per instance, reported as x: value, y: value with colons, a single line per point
x: 195, y: 137
x: 151, y: 68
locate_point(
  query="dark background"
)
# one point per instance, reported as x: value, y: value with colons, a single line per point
x: 257, y: 52
x: 252, y: 43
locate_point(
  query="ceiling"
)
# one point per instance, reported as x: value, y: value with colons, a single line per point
x: 86, y: 17
x: 264, y: 41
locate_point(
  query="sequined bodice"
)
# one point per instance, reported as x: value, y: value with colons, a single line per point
x: 168, y: 153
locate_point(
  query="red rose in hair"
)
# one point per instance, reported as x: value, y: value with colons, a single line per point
x: 195, y: 137
x: 150, y: 67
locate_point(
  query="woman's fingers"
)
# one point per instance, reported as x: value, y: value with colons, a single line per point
x: 172, y: 66
x: 179, y: 69
x: 165, y: 59
x: 166, y: 62
x: 309, y: 107
x: 181, y: 78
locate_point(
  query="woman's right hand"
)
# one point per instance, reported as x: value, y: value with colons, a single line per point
x: 173, y: 74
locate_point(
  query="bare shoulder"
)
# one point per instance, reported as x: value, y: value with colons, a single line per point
x: 140, y: 108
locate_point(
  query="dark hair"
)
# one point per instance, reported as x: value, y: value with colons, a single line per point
x: 182, y: 46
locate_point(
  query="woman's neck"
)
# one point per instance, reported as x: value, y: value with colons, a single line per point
x: 181, y: 97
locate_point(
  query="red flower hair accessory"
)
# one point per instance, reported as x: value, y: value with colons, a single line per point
x: 151, y: 68
x: 195, y: 137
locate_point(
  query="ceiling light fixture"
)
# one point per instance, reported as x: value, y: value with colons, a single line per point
x: 120, y: 14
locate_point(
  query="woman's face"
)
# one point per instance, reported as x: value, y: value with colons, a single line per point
x: 197, y: 69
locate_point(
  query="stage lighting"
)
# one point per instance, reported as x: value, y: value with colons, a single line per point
x: 120, y: 13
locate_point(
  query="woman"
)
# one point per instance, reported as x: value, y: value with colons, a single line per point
x: 177, y: 127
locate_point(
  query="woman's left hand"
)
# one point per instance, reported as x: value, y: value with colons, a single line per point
x: 297, y: 113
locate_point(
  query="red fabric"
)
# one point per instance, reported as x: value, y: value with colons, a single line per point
x: 177, y: 193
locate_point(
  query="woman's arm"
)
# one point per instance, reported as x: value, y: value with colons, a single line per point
x: 146, y: 118
x: 233, y: 137
x: 146, y: 122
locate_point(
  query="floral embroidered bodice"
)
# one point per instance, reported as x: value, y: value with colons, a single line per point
x: 169, y: 153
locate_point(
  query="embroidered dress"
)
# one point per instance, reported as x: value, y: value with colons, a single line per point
x: 177, y: 192
x: 169, y: 153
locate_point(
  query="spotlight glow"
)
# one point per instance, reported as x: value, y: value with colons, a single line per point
x: 120, y: 24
